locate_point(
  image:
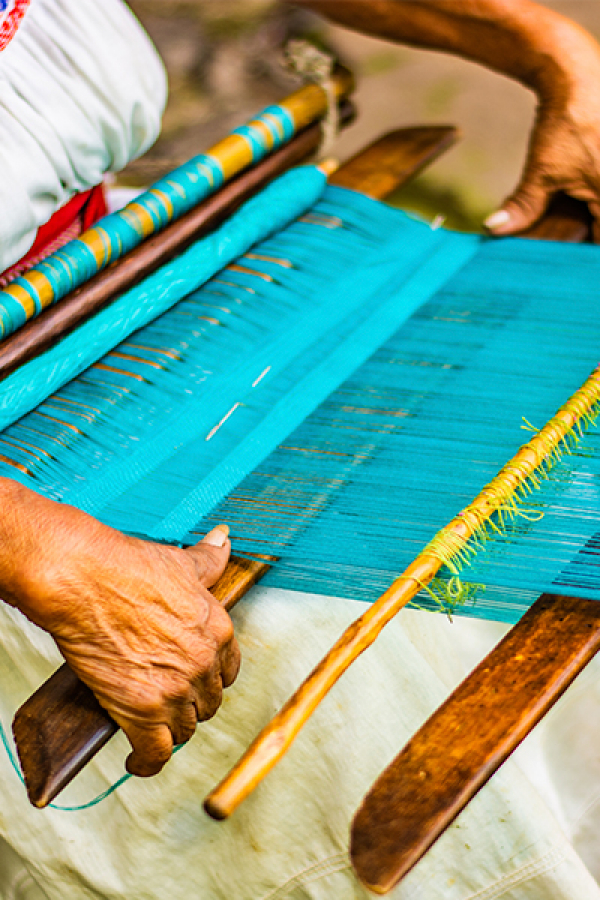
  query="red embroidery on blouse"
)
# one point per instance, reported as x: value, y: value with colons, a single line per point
x: 11, y: 13
x: 80, y: 213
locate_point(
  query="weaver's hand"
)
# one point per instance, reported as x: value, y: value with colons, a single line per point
x: 564, y: 150
x: 545, y: 51
x: 134, y: 620
x: 564, y: 155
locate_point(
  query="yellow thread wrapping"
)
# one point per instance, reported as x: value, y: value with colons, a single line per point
x: 139, y: 218
x: 275, y: 122
x: 22, y: 297
x: 96, y: 241
x: 502, y: 499
x: 264, y: 130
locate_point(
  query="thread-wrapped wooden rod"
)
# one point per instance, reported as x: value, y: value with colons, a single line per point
x: 57, y: 321
x: 272, y: 743
x: 168, y: 199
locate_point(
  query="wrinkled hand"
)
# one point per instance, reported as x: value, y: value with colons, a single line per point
x: 564, y: 152
x: 134, y: 620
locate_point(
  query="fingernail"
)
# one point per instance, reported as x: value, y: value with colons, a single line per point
x: 497, y: 219
x: 217, y: 537
x: 328, y: 166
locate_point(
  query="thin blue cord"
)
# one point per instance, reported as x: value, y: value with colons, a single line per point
x: 102, y: 796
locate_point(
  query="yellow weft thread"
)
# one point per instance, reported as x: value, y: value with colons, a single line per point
x: 503, y: 497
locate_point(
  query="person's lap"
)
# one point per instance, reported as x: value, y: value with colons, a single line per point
x: 289, y: 840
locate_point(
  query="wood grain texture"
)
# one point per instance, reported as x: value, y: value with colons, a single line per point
x: 457, y: 750
x: 60, y: 727
x: 389, y: 162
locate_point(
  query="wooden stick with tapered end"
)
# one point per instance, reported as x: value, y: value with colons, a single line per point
x: 272, y: 743
x: 466, y: 740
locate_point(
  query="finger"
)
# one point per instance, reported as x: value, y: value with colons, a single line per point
x: 152, y: 748
x: 209, y: 695
x: 520, y: 211
x: 184, y: 723
x: 211, y: 555
x: 230, y: 657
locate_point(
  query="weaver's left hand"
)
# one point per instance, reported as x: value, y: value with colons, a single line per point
x: 138, y: 624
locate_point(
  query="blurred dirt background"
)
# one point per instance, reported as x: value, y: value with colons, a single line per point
x: 223, y: 58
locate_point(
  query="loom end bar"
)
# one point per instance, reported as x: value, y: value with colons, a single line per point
x: 394, y: 159
x: 566, y: 219
x: 57, y: 731
x: 467, y: 739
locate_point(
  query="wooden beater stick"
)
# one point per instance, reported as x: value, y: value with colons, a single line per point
x: 60, y: 727
x: 273, y: 741
x: 469, y: 737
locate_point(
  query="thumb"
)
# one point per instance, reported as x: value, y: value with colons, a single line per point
x: 520, y: 211
x: 211, y: 555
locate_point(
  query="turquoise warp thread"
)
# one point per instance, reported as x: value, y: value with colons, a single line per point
x: 62, y: 808
x: 167, y: 199
x: 384, y: 432
x: 399, y: 446
x: 283, y: 200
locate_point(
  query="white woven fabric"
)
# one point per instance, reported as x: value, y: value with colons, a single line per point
x: 82, y: 92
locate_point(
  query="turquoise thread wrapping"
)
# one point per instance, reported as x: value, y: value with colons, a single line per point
x: 12, y: 757
x: 283, y: 200
x: 120, y: 232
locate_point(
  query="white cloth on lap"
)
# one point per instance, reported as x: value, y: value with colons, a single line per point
x: 151, y: 840
x: 81, y: 93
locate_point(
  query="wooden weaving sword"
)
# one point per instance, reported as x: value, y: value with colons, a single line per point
x: 469, y: 737
x: 61, y: 727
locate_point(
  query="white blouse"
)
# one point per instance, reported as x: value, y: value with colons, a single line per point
x: 82, y: 92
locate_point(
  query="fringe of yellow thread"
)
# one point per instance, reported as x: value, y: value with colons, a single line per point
x: 446, y: 594
x: 507, y: 504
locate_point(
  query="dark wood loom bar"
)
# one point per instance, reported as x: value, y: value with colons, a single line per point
x: 59, y: 320
x: 469, y: 737
x: 62, y: 726
x: 566, y: 220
